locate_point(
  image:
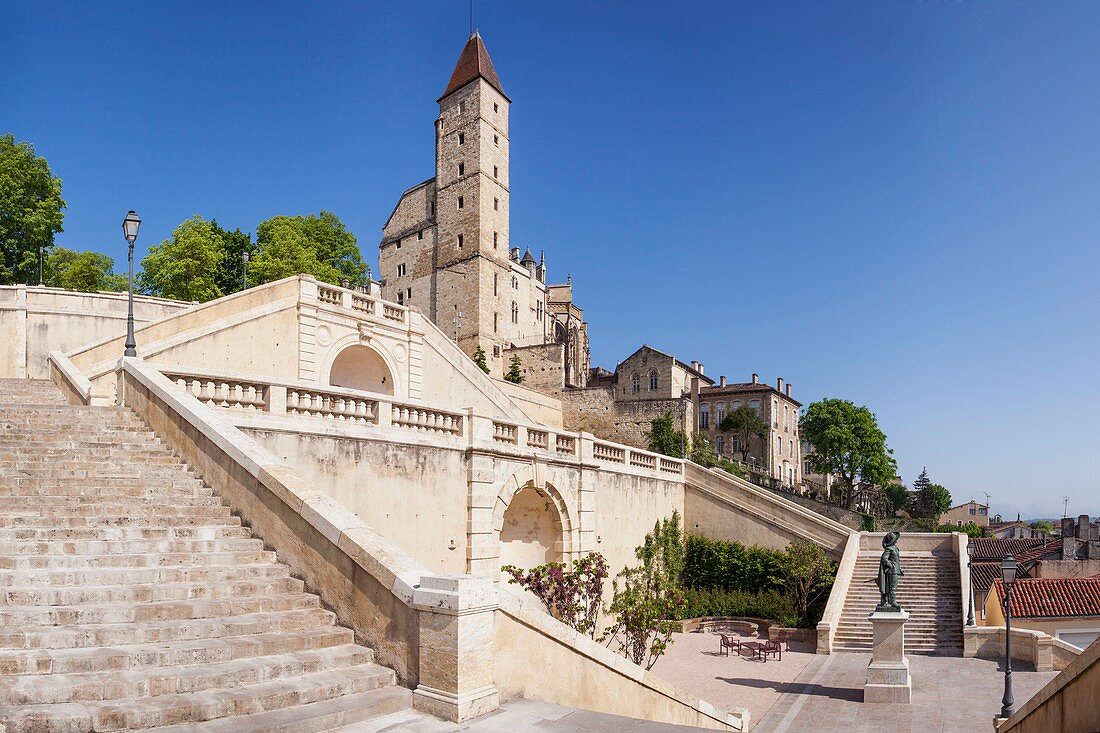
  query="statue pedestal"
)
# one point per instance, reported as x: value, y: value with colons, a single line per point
x: 888, y: 673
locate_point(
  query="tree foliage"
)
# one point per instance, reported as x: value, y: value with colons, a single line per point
x: 229, y: 277
x: 479, y: 359
x: 664, y: 438
x: 649, y: 596
x: 315, y: 245
x: 847, y: 442
x: 933, y: 501
x: 185, y: 266
x: 808, y: 575
x: 745, y: 425
x: 572, y: 595
x: 89, y: 272
x: 896, y: 494
x: 1042, y: 525
x: 514, y: 374
x: 970, y: 529
x: 702, y: 451
x: 31, y: 210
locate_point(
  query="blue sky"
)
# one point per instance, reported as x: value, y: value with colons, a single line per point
x: 890, y: 202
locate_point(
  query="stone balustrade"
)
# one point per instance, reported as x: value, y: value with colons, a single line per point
x: 361, y: 301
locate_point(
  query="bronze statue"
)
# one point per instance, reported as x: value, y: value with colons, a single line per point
x: 889, y: 568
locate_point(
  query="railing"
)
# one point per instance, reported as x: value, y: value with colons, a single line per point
x: 361, y: 302
x: 329, y: 295
x: 245, y: 394
x: 393, y: 312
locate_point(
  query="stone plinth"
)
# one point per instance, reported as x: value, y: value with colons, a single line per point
x: 456, y: 646
x: 888, y: 673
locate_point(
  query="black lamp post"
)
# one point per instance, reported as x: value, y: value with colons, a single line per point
x: 970, y: 546
x: 130, y: 226
x: 244, y: 277
x: 1008, y: 577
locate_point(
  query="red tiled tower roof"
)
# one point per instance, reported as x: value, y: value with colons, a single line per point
x: 473, y: 62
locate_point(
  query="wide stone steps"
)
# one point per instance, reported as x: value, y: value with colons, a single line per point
x: 132, y: 598
x: 106, y: 634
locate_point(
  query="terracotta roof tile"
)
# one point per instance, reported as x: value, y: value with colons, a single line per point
x: 1052, y: 547
x: 473, y: 62
x: 982, y: 574
x: 991, y: 548
x: 1053, y: 597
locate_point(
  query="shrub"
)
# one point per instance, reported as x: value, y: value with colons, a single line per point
x: 731, y: 566
x: 868, y: 522
x: 770, y: 604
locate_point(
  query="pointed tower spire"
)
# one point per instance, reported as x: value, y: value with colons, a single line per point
x: 473, y: 63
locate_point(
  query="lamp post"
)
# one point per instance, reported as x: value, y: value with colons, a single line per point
x: 130, y: 226
x: 970, y: 546
x: 1008, y: 577
x: 244, y: 277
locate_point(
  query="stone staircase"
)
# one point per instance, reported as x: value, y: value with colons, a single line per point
x: 130, y: 596
x: 929, y: 591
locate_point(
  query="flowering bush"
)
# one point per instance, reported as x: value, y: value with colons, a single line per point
x: 571, y: 595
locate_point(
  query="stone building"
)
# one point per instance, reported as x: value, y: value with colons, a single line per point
x: 446, y: 248
x: 779, y: 453
x: 971, y: 511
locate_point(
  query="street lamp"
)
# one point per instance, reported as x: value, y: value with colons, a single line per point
x: 1008, y: 577
x: 130, y: 226
x: 970, y: 547
x: 244, y: 277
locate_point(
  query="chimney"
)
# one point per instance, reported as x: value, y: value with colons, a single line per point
x: 788, y: 392
x: 695, y: 365
x: 722, y: 381
x: 700, y: 368
x: 779, y: 385
x: 1083, y: 527
x: 1067, y: 527
x: 755, y: 378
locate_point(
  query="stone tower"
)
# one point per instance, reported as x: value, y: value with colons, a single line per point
x: 446, y: 248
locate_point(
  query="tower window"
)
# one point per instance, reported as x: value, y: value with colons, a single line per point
x: 461, y: 203
x: 461, y: 240
x: 496, y: 204
x: 494, y: 283
x: 652, y: 380
x: 495, y: 173
x: 420, y: 234
x: 515, y: 312
x: 433, y: 208
x: 408, y: 293
x: 496, y: 139
x: 399, y: 244
x: 400, y: 297
x: 515, y: 283
x: 494, y: 324
x: 635, y: 383
x: 461, y: 169
x: 496, y: 107
x: 461, y: 138
x: 494, y: 240
x: 461, y: 107
x: 401, y: 270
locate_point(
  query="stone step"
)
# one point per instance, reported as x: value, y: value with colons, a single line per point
x: 112, y: 513
x: 208, y: 532
x: 318, y: 717
x: 149, y: 632
x: 162, y: 710
x: 111, y: 594
x: 152, y: 611
x: 151, y: 520
x: 164, y: 499
x: 37, y: 560
x: 190, y: 677
x: 96, y: 488
x: 128, y: 552
x: 131, y: 657
x: 141, y: 576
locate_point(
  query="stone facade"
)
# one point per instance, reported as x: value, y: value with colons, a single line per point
x: 446, y: 248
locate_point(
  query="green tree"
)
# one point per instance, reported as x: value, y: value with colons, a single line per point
x: 896, y: 494
x: 314, y: 245
x: 229, y: 276
x: 1042, y: 525
x: 934, y: 500
x: 809, y: 574
x: 702, y: 451
x: 185, y: 266
x: 922, y: 482
x: 514, y: 375
x: 847, y: 442
x: 479, y: 359
x: 31, y: 210
x: 664, y: 437
x: 970, y: 529
x: 86, y: 271
x: 745, y: 425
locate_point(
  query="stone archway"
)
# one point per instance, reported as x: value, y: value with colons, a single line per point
x: 361, y: 367
x: 531, y: 531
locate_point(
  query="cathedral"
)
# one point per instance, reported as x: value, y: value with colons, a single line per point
x: 446, y: 248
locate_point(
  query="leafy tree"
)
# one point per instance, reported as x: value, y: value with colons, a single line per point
x: 934, y: 500
x: 745, y: 425
x: 514, y: 375
x: 847, y: 442
x: 573, y: 595
x: 896, y: 494
x: 702, y: 451
x: 184, y: 266
x: 970, y: 529
x: 809, y: 575
x: 922, y: 482
x: 89, y: 271
x: 229, y: 276
x: 315, y: 245
x: 664, y: 437
x: 30, y: 210
x: 1042, y: 525
x: 648, y: 596
x: 479, y: 359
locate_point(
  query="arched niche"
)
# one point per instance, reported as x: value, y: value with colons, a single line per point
x: 361, y: 367
x: 531, y: 532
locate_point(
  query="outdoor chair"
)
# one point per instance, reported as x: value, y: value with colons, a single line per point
x: 784, y: 638
x: 774, y: 648
x: 726, y: 643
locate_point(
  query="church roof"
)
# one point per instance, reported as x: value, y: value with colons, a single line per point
x: 473, y: 62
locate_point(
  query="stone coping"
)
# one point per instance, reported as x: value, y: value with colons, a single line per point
x: 68, y: 378
x: 834, y: 607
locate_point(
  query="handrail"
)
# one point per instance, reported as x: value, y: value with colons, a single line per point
x: 70, y: 379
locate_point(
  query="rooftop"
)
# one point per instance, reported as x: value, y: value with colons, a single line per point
x: 992, y: 548
x: 474, y: 63
x: 1053, y: 597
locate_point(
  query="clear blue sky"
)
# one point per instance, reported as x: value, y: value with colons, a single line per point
x: 892, y: 202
